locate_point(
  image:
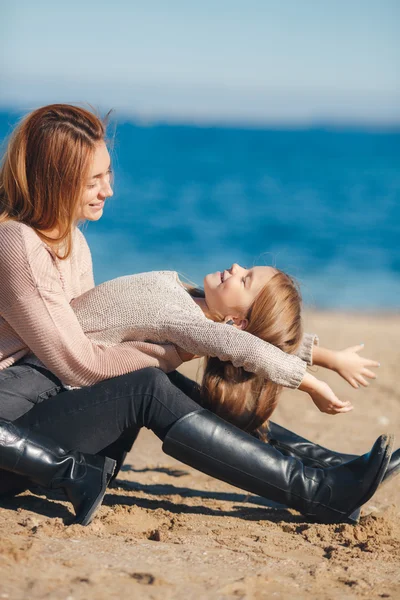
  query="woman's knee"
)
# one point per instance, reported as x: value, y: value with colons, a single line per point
x: 147, y: 380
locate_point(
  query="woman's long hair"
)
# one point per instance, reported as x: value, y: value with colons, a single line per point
x: 44, y: 168
x: 245, y: 399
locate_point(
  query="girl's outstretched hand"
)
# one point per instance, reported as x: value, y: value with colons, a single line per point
x: 354, y: 368
x: 323, y: 397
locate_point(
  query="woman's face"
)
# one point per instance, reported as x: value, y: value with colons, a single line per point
x: 232, y: 292
x: 97, y: 187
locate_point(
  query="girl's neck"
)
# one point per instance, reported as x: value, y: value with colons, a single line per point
x: 201, y: 302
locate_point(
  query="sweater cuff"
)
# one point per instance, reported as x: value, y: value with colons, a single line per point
x: 297, y: 375
x: 305, y: 350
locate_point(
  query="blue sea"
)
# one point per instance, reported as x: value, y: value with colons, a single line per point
x: 322, y: 204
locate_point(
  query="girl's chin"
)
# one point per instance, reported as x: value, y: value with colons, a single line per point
x: 213, y: 279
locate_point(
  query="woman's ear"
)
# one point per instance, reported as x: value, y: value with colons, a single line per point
x: 238, y: 322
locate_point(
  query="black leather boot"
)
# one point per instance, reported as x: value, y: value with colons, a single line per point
x: 83, y: 477
x: 12, y: 484
x: 204, y: 441
x: 120, y: 448
x: 313, y: 455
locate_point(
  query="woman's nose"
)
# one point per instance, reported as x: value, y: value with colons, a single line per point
x: 106, y: 190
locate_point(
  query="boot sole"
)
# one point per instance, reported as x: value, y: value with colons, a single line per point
x: 354, y: 513
x: 108, y: 471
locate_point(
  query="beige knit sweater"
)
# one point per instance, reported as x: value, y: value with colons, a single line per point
x: 156, y: 307
x: 36, y: 317
x: 90, y: 338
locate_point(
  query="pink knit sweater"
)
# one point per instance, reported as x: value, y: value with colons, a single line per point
x: 36, y: 289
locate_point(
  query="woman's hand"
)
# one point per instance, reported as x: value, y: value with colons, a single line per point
x: 323, y: 397
x: 354, y: 368
x: 184, y: 355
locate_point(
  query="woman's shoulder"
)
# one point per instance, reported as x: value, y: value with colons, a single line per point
x: 16, y: 237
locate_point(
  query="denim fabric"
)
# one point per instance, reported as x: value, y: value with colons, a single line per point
x: 23, y: 386
x: 92, y: 418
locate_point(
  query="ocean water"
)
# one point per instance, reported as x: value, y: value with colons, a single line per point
x: 322, y: 204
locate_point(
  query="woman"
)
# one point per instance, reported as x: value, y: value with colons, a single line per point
x: 56, y: 173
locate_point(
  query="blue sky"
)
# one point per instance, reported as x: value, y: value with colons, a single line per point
x: 214, y: 61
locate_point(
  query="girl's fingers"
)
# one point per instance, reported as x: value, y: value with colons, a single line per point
x: 369, y: 373
x: 345, y: 409
x: 357, y: 348
x: 353, y: 383
x: 371, y: 363
x: 340, y: 404
x: 363, y: 381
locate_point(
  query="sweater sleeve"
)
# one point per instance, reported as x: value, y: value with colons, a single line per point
x: 33, y: 303
x: 305, y: 350
x: 207, y: 338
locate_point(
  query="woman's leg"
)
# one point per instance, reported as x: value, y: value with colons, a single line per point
x: 314, y: 455
x: 92, y: 418
x: 22, y: 386
x: 100, y: 419
x: 288, y: 442
x: 91, y: 421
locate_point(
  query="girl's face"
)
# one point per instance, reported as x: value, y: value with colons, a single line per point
x: 231, y: 293
x: 97, y: 187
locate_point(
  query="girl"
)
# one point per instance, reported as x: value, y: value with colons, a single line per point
x: 242, y: 381
x: 56, y: 173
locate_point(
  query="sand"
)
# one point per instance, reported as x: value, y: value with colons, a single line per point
x: 166, y: 531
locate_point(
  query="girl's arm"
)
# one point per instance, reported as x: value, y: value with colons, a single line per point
x: 203, y: 337
x: 307, y: 347
x: 200, y: 336
x: 347, y: 363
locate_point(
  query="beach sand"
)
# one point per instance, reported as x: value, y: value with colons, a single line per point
x: 168, y: 532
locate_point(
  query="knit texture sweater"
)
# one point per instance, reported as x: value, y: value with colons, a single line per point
x: 156, y: 307
x: 50, y: 308
x: 36, y: 289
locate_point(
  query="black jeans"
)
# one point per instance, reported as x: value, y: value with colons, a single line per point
x: 92, y: 418
x: 22, y: 386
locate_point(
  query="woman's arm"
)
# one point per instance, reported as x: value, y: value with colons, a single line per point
x: 34, y: 305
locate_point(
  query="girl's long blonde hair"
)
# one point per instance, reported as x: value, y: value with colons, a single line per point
x: 245, y: 399
x: 44, y: 167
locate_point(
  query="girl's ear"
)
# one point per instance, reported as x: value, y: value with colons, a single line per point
x: 237, y: 322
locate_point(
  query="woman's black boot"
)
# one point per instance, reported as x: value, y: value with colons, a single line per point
x: 206, y: 442
x: 313, y: 455
x: 12, y: 484
x: 83, y: 477
x: 120, y: 449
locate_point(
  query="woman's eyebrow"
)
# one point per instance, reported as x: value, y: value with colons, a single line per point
x: 250, y: 275
x: 100, y: 174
